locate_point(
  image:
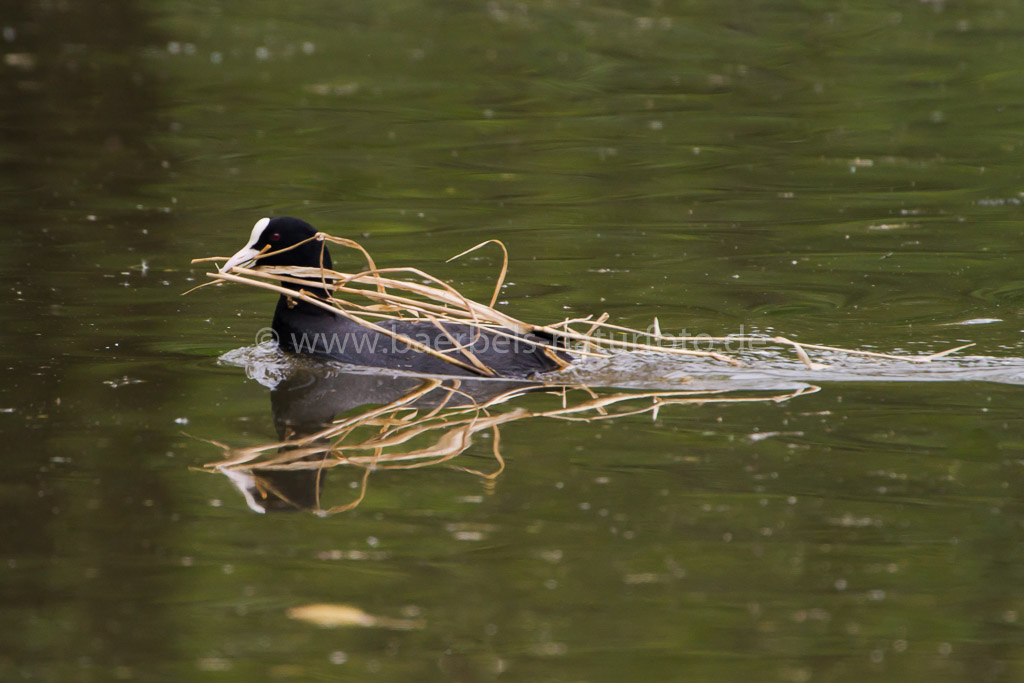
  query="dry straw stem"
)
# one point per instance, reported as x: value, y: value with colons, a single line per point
x: 411, y: 294
x: 401, y: 435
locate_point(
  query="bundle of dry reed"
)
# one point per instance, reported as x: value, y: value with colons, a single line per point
x: 405, y: 293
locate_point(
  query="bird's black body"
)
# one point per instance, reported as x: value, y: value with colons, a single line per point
x: 302, y: 327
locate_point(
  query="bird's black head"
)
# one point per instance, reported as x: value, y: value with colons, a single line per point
x: 274, y: 237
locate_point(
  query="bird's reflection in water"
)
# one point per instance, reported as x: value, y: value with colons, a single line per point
x: 327, y: 418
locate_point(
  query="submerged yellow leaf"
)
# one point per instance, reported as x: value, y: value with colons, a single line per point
x: 330, y: 615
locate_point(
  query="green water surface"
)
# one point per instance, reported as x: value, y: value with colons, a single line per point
x: 845, y: 173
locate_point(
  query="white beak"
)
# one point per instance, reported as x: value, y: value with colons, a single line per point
x: 245, y: 255
x: 249, y: 251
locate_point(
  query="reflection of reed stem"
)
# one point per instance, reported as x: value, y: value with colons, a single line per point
x: 396, y: 427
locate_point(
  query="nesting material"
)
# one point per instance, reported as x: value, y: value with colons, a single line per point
x: 407, y: 293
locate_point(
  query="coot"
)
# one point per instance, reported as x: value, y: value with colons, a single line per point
x: 301, y: 327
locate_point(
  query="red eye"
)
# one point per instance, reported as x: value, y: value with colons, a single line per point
x: 275, y: 237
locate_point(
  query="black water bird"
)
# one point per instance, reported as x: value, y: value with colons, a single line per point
x: 302, y: 327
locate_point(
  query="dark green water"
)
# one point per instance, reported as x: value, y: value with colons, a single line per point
x: 844, y: 173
